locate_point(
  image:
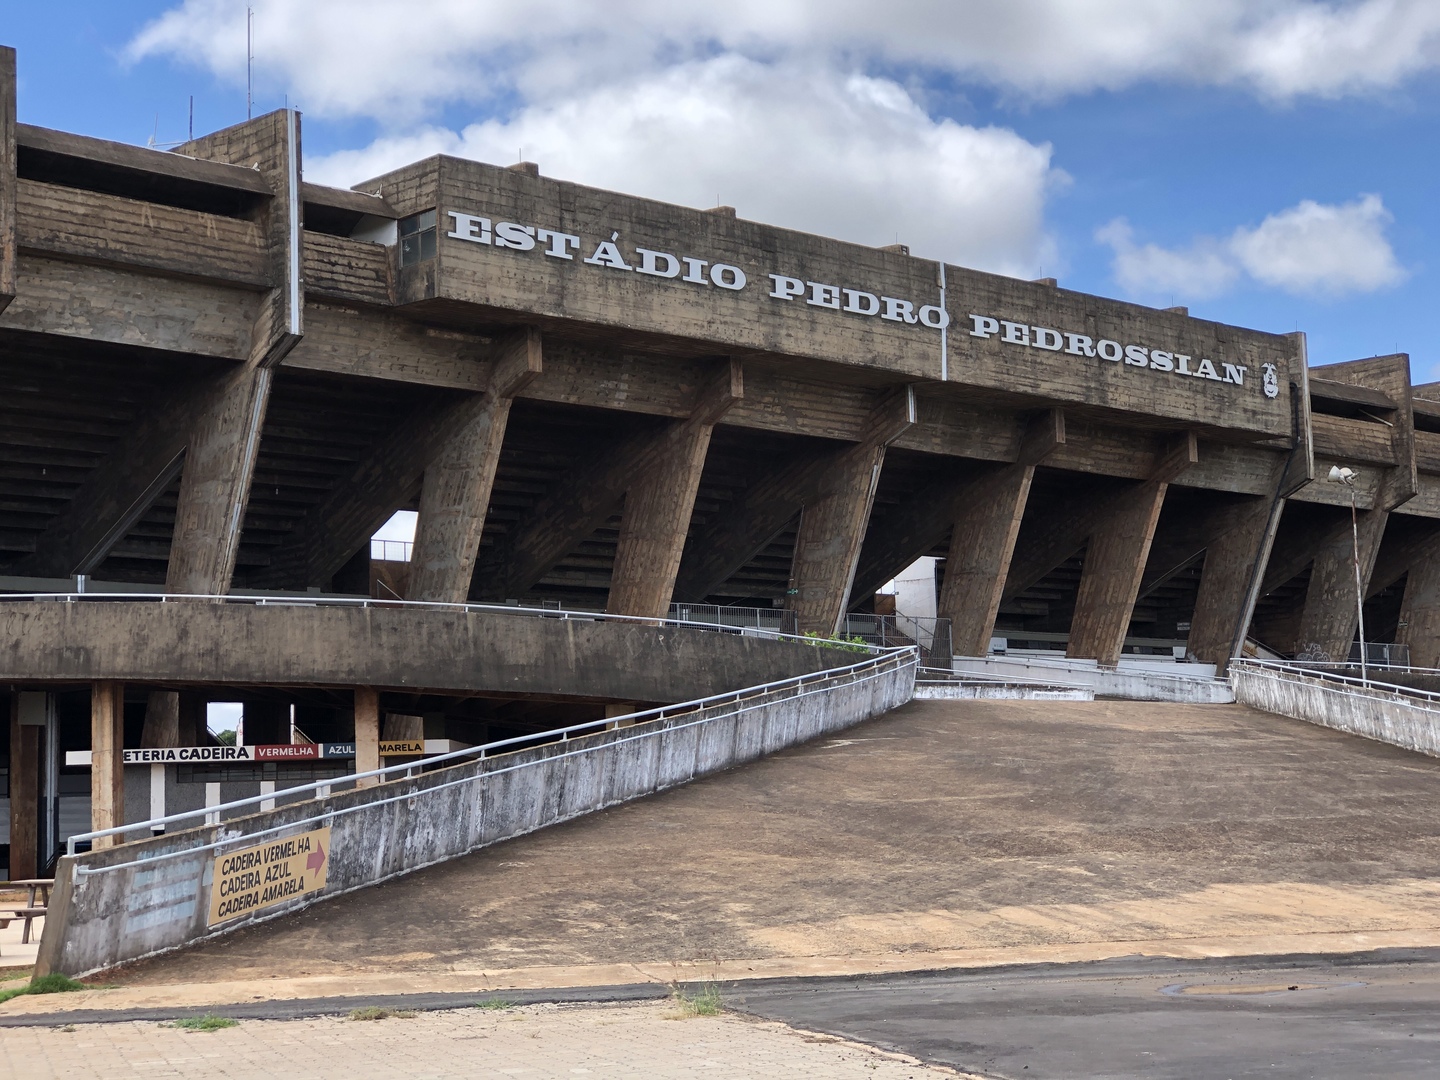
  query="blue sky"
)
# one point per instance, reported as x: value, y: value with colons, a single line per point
x: 1267, y: 162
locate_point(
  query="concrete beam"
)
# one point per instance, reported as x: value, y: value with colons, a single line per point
x: 389, y: 476
x: 107, y: 759
x: 580, y: 504
x: 448, y: 651
x: 832, y: 527
x: 455, y: 493
x: 1389, y: 375
x: 9, y: 183
x: 899, y: 537
x: 121, y: 489
x: 659, y: 503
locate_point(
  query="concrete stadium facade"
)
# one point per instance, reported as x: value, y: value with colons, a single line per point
x: 217, y: 377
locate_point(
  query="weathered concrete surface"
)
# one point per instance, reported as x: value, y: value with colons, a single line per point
x: 387, y: 647
x: 948, y: 833
x: 1374, y: 712
x: 1131, y: 679
x: 121, y: 904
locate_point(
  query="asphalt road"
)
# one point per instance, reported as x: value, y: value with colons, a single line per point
x: 1371, y: 1016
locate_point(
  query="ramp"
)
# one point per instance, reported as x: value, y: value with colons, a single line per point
x: 122, y: 903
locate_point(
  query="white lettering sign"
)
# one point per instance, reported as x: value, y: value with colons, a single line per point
x: 650, y: 262
x: 1130, y: 355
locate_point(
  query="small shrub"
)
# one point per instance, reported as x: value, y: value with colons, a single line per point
x: 45, y: 984
x: 702, y: 1002
x: 208, y: 1022
x: 854, y: 643
x: 495, y: 1003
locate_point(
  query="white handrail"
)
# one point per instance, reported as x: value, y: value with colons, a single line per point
x: 480, y: 752
x: 1290, y: 667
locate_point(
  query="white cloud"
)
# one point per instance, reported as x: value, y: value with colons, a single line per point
x: 1206, y: 269
x: 1314, y: 248
x: 853, y: 157
x: 1309, y: 249
x: 397, y: 60
x: 774, y: 105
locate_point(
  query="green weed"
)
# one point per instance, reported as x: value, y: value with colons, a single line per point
x: 702, y: 1002
x: 375, y: 1012
x: 208, y: 1022
x: 45, y: 984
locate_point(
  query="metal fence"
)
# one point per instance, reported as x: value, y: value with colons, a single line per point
x: 391, y: 550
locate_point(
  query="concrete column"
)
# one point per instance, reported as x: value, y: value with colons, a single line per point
x: 455, y: 493
x: 24, y: 790
x: 454, y: 498
x: 1110, y: 581
x: 1328, y: 620
x: 107, y: 759
x: 215, y: 485
x: 827, y: 546
x: 191, y: 726
x: 978, y: 561
x: 1235, y: 564
x: 8, y: 181
x: 1420, y: 611
x: 367, y: 733
x: 162, y: 720
x: 225, y: 439
x: 655, y: 523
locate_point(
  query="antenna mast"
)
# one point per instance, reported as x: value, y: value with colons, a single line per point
x: 249, y: 63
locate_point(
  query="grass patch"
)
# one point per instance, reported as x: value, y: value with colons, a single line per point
x: 45, y: 984
x: 375, y: 1012
x: 702, y: 1002
x: 495, y: 1003
x: 208, y: 1022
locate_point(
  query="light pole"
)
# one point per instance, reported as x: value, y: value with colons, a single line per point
x: 1341, y: 475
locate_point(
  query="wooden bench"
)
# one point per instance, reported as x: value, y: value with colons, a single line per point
x: 29, y: 914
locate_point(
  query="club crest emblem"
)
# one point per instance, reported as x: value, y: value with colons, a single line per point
x: 1271, y: 381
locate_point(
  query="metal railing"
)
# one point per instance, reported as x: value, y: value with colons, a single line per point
x: 744, y: 700
x: 1274, y: 669
x: 930, y: 636
x: 391, y: 550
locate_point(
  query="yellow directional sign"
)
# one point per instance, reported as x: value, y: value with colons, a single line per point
x: 402, y: 748
x: 259, y: 877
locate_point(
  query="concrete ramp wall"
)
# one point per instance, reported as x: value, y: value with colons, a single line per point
x: 124, y: 903
x: 1131, y: 680
x: 1397, y: 715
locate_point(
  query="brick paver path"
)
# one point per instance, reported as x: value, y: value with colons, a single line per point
x: 532, y: 1041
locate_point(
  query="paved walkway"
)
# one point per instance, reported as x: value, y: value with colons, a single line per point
x: 532, y: 1041
x: 947, y: 834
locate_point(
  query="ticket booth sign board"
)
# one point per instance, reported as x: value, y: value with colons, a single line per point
x: 256, y: 878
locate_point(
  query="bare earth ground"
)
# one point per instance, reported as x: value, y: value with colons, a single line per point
x: 534, y: 1041
x: 949, y: 833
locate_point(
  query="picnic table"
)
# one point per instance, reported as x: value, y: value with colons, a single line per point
x: 31, y: 911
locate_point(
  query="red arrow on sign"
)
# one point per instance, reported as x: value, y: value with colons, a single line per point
x: 316, y: 859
